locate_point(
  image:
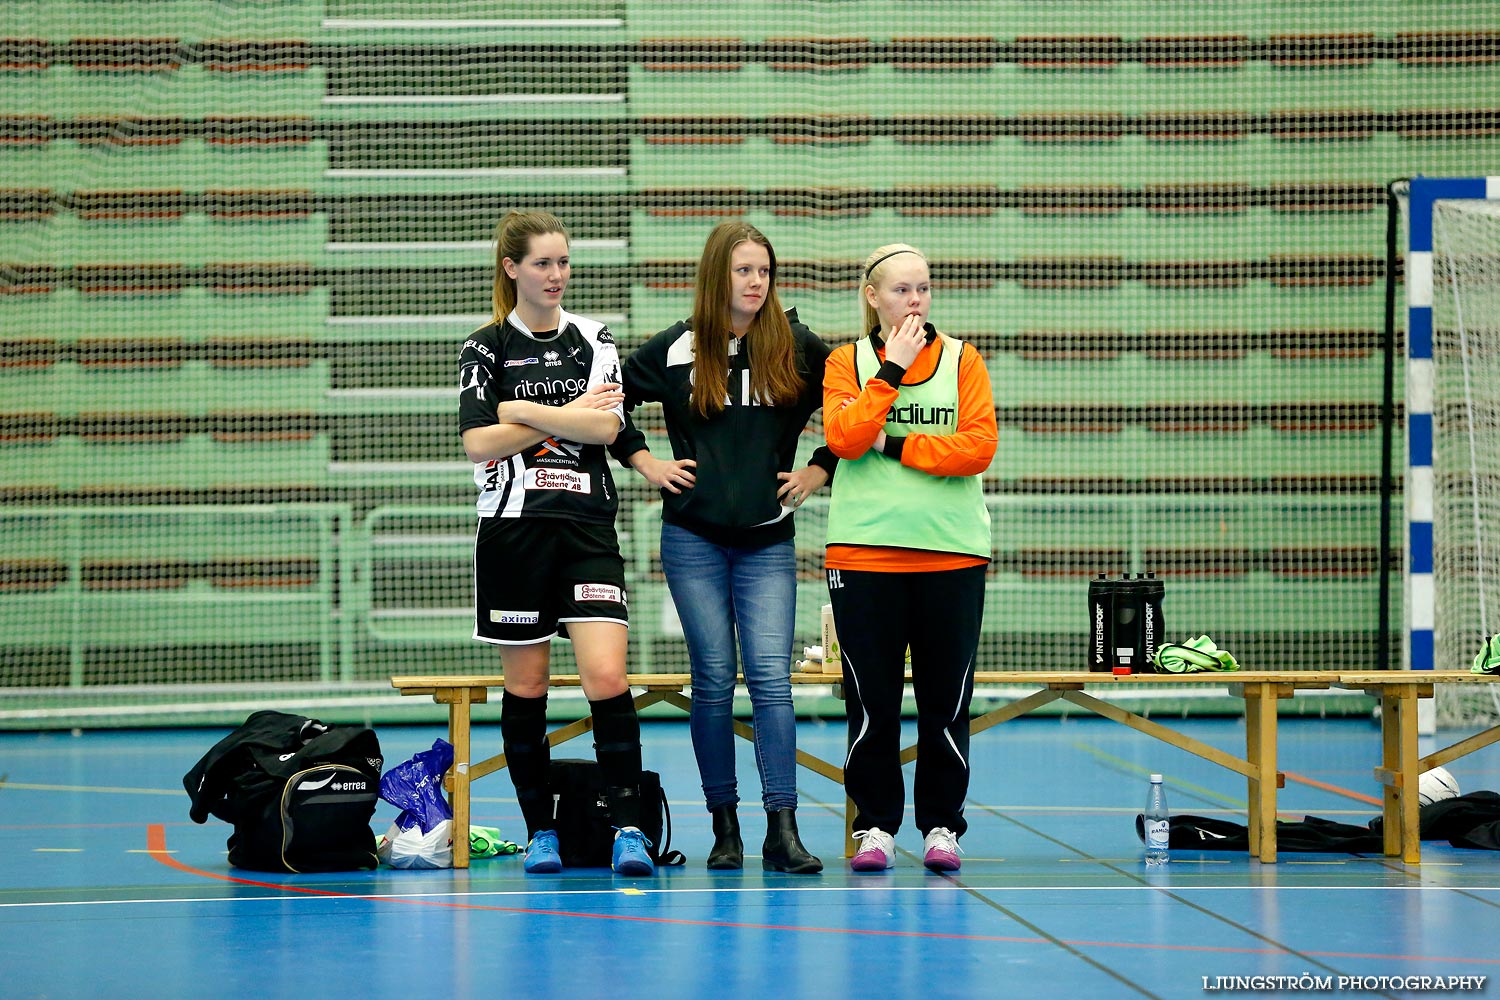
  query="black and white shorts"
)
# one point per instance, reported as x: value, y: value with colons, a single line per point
x: 532, y: 575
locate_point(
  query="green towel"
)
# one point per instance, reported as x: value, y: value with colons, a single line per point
x: 1194, y: 656
x: 485, y: 842
x: 1487, y: 661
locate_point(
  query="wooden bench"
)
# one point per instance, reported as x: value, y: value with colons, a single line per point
x: 1401, y: 764
x: 1259, y: 689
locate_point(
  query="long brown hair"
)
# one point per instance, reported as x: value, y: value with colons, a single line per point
x: 773, y: 350
x: 513, y: 237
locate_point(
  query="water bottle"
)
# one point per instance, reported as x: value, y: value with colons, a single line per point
x: 1101, y: 644
x: 1153, y: 626
x: 1128, y: 604
x: 1158, y: 825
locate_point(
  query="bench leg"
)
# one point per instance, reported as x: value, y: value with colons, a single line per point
x: 1390, y: 807
x: 458, y: 736
x: 1411, y: 834
x: 1398, y: 733
x: 1260, y: 754
x: 1252, y: 755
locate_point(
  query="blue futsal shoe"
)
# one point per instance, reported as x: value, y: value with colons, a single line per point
x: 542, y: 855
x: 632, y: 854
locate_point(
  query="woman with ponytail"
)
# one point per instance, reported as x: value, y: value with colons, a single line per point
x: 539, y: 399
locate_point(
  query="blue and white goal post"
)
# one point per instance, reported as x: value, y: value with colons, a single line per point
x: 1420, y: 592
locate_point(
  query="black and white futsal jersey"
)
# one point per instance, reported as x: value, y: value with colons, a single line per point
x: 556, y: 478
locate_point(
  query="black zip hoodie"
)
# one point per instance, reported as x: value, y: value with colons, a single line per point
x: 739, y: 451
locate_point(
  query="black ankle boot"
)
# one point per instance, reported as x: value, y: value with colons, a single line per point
x: 729, y: 850
x: 783, y: 850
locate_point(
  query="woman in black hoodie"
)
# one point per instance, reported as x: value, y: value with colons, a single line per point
x: 737, y: 383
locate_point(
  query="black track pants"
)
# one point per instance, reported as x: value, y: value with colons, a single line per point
x: 878, y: 615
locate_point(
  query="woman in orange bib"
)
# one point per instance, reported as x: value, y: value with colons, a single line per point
x: 909, y: 413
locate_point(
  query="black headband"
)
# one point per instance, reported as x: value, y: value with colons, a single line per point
x: 881, y: 260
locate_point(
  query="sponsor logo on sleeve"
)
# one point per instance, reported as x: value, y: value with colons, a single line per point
x: 515, y: 617
x: 598, y: 592
x: 473, y: 377
x: 480, y: 348
x: 558, y: 479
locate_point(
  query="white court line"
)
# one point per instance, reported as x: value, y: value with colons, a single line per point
x: 71, y: 789
x: 679, y: 803
x: 943, y: 886
x: 184, y: 708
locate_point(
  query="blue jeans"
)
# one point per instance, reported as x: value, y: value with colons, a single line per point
x: 720, y: 591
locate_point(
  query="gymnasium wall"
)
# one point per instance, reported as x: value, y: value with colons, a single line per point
x: 241, y: 242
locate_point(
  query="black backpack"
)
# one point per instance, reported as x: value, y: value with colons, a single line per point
x: 585, y: 838
x: 299, y: 793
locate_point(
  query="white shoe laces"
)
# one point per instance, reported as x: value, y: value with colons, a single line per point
x: 942, y: 838
x: 875, y: 839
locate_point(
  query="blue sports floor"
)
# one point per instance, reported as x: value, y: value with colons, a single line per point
x: 108, y: 891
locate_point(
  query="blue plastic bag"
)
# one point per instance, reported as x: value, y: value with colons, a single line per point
x: 416, y: 787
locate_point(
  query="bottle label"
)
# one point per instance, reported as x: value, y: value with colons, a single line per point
x: 1099, y: 617
x: 1158, y: 833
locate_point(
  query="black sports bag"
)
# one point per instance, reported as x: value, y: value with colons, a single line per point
x: 299, y: 793
x: 585, y: 837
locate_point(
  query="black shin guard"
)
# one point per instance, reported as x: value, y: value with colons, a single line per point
x: 528, y: 758
x: 617, y: 745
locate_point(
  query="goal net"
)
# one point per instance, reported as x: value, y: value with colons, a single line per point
x: 1466, y: 445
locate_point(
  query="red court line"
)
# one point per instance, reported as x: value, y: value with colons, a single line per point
x: 127, y: 825
x: 156, y: 846
x: 1335, y: 789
